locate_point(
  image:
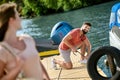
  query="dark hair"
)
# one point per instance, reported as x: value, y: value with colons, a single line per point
x: 7, y: 10
x: 87, y: 23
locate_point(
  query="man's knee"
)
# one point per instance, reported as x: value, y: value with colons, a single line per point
x: 69, y: 66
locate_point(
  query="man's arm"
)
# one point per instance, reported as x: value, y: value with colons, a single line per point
x: 88, y: 46
x: 66, y: 41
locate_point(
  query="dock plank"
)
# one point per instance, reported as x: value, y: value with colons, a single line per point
x: 79, y: 71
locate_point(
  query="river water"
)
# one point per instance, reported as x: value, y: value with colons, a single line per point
x: 97, y: 15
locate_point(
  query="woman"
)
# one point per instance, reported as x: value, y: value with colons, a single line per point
x: 18, y: 55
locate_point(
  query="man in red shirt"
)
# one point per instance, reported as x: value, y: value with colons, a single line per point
x: 74, y: 40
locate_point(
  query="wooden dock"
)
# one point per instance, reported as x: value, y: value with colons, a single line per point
x: 79, y: 71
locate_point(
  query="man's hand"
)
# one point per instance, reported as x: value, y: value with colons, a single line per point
x: 74, y: 49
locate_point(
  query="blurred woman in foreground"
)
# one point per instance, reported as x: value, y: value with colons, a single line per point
x: 18, y: 55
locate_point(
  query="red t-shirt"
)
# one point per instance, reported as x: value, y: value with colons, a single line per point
x: 75, y: 40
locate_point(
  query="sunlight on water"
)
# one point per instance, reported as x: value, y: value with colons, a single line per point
x: 29, y: 27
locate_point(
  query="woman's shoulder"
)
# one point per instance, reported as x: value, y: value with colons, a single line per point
x: 3, y: 53
x: 2, y: 50
x: 27, y: 38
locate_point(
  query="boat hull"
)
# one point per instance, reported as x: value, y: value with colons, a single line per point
x: 46, y: 48
x: 114, y: 37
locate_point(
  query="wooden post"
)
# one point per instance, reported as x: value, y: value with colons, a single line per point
x: 111, y: 64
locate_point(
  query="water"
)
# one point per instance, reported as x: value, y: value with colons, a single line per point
x: 97, y: 15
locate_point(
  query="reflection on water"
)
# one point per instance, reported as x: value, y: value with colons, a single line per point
x: 98, y: 15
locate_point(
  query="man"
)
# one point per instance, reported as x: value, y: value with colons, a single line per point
x: 75, y: 39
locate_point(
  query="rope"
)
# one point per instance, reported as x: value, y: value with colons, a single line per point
x: 59, y: 74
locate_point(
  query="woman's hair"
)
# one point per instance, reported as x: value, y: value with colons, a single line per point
x: 7, y: 10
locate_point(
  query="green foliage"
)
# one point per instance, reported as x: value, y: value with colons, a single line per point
x: 50, y: 3
x: 76, y: 3
x: 43, y: 7
x: 30, y: 7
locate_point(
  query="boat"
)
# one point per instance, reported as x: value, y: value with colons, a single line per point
x: 114, y: 25
x: 49, y: 47
x: 112, y: 51
x: 114, y: 33
x: 46, y: 48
